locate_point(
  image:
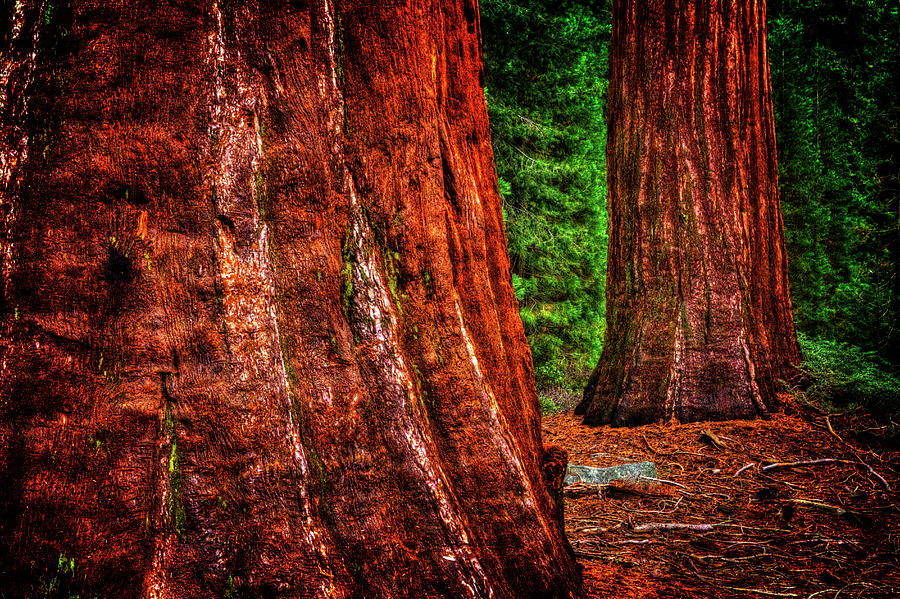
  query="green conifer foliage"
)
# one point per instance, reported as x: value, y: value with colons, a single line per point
x: 836, y: 78
x: 545, y: 64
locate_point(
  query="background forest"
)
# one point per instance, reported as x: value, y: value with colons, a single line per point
x: 835, y: 75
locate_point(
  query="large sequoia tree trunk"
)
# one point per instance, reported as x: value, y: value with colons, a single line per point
x: 258, y: 334
x: 699, y: 313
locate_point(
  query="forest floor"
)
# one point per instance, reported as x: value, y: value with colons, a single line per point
x: 828, y: 530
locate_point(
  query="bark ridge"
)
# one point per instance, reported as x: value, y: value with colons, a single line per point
x: 258, y: 332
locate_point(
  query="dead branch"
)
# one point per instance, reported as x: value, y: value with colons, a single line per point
x: 761, y: 592
x: 655, y: 526
x: 663, y: 481
x: 834, y: 509
x: 831, y: 429
x: 743, y: 468
x: 803, y: 464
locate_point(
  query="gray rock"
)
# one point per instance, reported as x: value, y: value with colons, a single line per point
x: 602, y: 476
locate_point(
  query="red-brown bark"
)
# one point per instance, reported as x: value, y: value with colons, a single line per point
x: 258, y: 333
x: 699, y: 311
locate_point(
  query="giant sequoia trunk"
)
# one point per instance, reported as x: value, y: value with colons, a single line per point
x: 699, y: 314
x: 258, y: 334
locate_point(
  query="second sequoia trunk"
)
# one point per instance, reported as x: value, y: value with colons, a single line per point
x: 699, y: 312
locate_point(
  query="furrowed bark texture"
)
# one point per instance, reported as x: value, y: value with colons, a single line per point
x: 699, y: 312
x: 258, y: 335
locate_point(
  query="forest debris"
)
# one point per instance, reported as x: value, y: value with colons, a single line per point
x: 664, y: 526
x: 651, y: 448
x: 620, y: 488
x: 853, y: 516
x: 601, y: 476
x: 707, y: 436
x: 674, y: 453
x: 831, y: 429
x: 579, y: 489
x: 745, y: 467
x: 663, y: 481
x: 759, y: 549
x: 786, y: 513
x: 805, y: 463
x: 770, y: 492
x: 762, y: 592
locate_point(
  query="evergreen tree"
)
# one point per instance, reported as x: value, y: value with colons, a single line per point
x: 836, y: 77
x: 545, y: 65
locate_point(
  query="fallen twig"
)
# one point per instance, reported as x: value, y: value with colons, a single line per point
x: 591, y: 529
x: 663, y: 481
x: 761, y: 592
x: 671, y: 511
x: 831, y: 429
x: 803, y: 464
x: 827, y: 507
x: 731, y: 560
x: 826, y: 540
x: 834, y: 509
x: 744, y: 468
x: 654, y: 526
x: 678, y: 452
x: 650, y: 447
x: 848, y: 412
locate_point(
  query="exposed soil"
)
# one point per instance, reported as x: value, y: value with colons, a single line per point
x: 827, y: 530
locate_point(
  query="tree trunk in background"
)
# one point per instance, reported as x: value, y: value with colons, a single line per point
x: 259, y: 338
x: 699, y: 312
